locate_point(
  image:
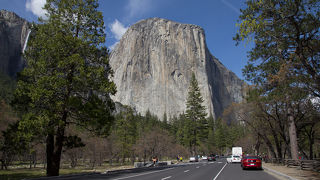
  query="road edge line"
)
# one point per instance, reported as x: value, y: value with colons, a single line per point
x: 220, y: 171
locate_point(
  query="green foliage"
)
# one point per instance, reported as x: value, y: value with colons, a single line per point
x: 196, y: 125
x: 66, y: 81
x: 12, y: 144
x: 7, y: 86
x: 67, y: 77
x: 211, y: 131
x: 71, y: 142
x: 126, y: 131
x: 286, y: 37
x: 284, y: 63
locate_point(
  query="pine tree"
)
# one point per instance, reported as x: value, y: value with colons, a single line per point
x: 286, y: 51
x: 66, y: 81
x: 211, y: 130
x: 126, y: 131
x: 196, y: 128
x: 220, y: 136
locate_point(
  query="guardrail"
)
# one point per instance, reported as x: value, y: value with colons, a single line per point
x: 313, y: 165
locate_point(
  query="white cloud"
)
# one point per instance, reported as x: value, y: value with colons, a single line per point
x: 118, y: 29
x: 138, y: 7
x: 35, y: 6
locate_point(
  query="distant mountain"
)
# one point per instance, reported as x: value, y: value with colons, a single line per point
x: 13, y: 34
x: 153, y: 64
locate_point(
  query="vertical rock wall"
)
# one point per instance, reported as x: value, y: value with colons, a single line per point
x: 13, y: 33
x: 153, y: 64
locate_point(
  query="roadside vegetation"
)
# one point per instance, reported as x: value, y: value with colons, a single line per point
x: 58, y: 113
x: 282, y: 106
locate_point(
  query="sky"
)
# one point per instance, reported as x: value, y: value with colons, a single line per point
x: 218, y: 18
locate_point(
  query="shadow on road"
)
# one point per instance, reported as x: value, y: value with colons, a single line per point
x: 107, y: 175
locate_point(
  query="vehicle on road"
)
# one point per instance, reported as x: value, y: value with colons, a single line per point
x: 236, y: 159
x: 229, y: 159
x: 237, y: 151
x: 251, y: 162
x: 233, y: 159
x: 193, y: 159
x: 211, y: 158
x: 204, y: 158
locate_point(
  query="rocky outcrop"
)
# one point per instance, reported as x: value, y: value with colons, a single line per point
x: 13, y: 34
x: 153, y: 64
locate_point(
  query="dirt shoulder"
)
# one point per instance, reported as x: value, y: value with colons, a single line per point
x: 284, y: 172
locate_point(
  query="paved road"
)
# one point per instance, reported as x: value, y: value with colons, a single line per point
x: 217, y: 170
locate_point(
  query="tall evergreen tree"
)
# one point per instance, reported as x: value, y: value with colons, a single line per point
x: 286, y: 35
x: 126, y: 131
x: 196, y: 128
x: 66, y: 81
x: 220, y: 135
x: 211, y: 130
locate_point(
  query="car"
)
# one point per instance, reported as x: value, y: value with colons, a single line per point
x: 229, y: 159
x: 204, y: 158
x: 233, y: 159
x: 251, y: 162
x: 193, y: 159
x: 236, y: 159
x: 211, y: 158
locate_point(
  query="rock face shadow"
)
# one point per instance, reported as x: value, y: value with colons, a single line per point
x: 153, y: 64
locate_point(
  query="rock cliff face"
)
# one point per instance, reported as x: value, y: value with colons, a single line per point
x: 153, y: 64
x: 13, y: 34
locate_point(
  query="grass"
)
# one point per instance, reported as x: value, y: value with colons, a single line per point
x: 16, y: 174
x: 24, y: 173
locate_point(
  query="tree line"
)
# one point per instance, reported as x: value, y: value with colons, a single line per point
x: 61, y: 101
x: 132, y: 137
x: 282, y: 106
x: 61, y: 107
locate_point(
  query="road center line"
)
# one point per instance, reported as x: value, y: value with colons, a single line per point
x: 166, y: 178
x: 127, y: 177
x: 219, y: 172
x: 186, y: 170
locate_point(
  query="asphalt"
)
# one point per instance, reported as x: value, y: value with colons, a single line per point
x: 216, y: 170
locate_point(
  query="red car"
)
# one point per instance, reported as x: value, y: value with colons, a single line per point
x: 211, y: 158
x: 251, y: 162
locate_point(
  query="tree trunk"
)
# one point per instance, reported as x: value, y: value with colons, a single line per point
x: 54, y: 149
x: 292, y: 134
x: 257, y: 146
x: 269, y: 145
x: 311, y: 142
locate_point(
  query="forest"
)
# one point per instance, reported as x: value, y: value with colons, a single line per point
x: 58, y: 110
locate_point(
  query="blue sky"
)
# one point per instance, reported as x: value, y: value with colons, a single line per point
x: 217, y: 17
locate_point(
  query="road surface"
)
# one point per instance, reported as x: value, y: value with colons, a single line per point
x: 216, y: 170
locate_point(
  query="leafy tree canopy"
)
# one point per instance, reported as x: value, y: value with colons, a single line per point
x: 287, y: 42
x: 66, y: 80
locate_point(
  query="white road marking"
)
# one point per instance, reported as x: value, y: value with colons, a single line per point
x: 186, y: 170
x: 143, y: 174
x: 220, y: 162
x: 197, y: 166
x: 211, y: 162
x: 166, y: 178
x: 219, y: 172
